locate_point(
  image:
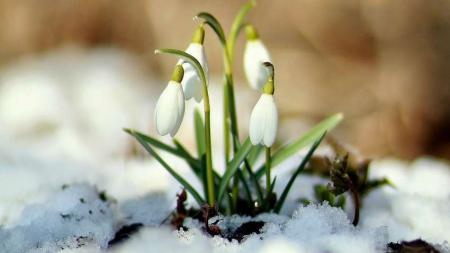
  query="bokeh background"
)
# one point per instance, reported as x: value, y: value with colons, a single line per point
x: 384, y: 64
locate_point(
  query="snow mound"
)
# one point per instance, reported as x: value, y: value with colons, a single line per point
x: 418, y: 206
x: 314, y: 228
x: 75, y: 216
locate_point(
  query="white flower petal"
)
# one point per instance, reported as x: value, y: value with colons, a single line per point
x: 271, y: 124
x: 264, y: 121
x: 256, y: 129
x: 191, y: 82
x: 169, y: 109
x: 255, y: 54
x: 180, y: 112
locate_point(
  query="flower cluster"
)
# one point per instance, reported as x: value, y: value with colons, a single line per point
x: 241, y: 183
x: 169, y: 110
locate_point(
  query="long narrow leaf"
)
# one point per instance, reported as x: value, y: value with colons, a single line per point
x: 299, y: 169
x: 233, y: 166
x: 183, y: 150
x: 255, y: 182
x: 180, y: 179
x: 214, y: 24
x: 156, y: 143
x: 246, y: 186
x: 160, y: 145
x: 292, y: 148
x: 199, y: 133
x: 253, y: 156
x: 189, y: 159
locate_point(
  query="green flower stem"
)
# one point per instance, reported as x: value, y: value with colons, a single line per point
x: 229, y: 118
x: 209, y: 170
x: 235, y: 191
x: 268, y: 179
x: 230, y: 112
x: 209, y: 166
x: 207, y: 110
x: 237, y: 26
x: 226, y: 124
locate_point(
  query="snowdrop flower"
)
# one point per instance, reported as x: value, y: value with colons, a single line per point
x: 255, y: 54
x: 169, y: 110
x: 192, y: 84
x: 264, y: 117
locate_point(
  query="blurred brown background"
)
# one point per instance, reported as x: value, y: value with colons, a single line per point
x: 384, y: 63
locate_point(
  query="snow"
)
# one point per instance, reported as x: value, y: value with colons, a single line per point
x: 419, y: 205
x: 315, y: 228
x: 62, y: 145
x: 75, y: 215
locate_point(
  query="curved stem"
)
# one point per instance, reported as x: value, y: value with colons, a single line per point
x: 228, y: 65
x: 229, y: 118
x: 209, y: 171
x: 207, y: 110
x: 226, y: 125
x: 237, y: 26
x: 268, y: 179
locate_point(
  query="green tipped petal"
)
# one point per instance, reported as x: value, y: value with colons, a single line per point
x: 199, y: 35
x: 269, y: 88
x: 251, y: 32
x: 178, y: 73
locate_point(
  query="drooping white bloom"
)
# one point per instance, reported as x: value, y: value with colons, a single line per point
x: 255, y: 53
x: 264, y: 121
x: 169, y: 110
x: 192, y: 84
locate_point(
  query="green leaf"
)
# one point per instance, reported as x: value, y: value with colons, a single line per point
x: 245, y: 185
x: 272, y: 185
x: 180, y: 179
x: 156, y: 143
x: 196, y: 165
x: 199, y: 133
x: 214, y: 24
x: 290, y: 149
x: 255, y: 182
x: 185, y: 153
x: 253, y: 156
x: 233, y: 166
x: 160, y: 145
x: 299, y: 169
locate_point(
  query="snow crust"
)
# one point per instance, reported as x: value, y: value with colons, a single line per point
x: 62, y: 145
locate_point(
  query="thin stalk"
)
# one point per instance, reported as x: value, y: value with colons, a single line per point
x: 226, y: 125
x: 235, y: 191
x: 207, y: 109
x: 252, y: 177
x: 230, y: 119
x: 268, y: 179
x: 228, y: 64
x: 237, y: 25
x: 209, y: 169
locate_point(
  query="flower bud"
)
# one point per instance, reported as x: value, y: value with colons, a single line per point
x: 169, y: 110
x: 255, y: 54
x: 264, y: 121
x: 192, y: 84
